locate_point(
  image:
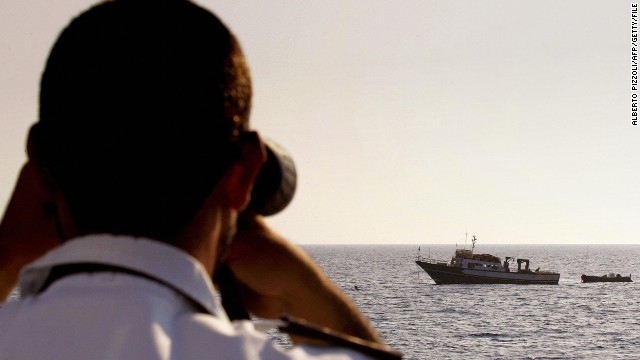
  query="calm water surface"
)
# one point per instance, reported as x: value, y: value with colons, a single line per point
x: 566, y: 321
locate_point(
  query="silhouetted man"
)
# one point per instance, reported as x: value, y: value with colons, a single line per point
x: 139, y: 166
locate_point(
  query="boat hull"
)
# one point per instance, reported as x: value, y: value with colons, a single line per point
x: 590, y: 279
x: 443, y: 275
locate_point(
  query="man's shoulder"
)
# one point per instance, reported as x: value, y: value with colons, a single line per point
x: 203, y: 335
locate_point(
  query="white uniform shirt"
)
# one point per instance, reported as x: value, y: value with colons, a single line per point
x: 115, y: 315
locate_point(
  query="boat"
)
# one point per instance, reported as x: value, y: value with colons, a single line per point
x: 466, y: 267
x: 611, y: 277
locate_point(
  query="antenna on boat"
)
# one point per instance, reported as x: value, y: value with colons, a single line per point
x: 473, y: 243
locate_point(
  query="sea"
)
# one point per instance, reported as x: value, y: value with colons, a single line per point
x: 570, y: 320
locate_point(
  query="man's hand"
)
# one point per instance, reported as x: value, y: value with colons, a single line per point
x: 28, y: 228
x: 278, y: 278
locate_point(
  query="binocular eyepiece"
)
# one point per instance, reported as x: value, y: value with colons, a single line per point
x: 275, y: 185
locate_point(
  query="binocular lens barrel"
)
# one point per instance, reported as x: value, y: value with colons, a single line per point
x: 276, y: 183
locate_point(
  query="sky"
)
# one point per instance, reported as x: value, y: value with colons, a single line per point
x: 414, y: 121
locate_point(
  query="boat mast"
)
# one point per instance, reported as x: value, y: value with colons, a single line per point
x: 473, y: 243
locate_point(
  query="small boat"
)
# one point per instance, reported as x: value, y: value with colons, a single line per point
x: 611, y: 277
x: 466, y: 267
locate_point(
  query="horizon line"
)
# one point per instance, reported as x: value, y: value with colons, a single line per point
x: 448, y: 244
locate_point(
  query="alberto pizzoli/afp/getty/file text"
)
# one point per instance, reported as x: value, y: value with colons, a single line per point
x: 634, y: 64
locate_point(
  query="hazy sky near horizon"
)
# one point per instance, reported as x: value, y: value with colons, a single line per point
x: 414, y: 121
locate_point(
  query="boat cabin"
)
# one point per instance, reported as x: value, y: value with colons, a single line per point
x: 466, y: 259
x: 481, y: 265
x: 526, y: 265
x: 487, y: 262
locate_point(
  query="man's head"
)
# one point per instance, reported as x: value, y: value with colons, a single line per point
x: 141, y: 106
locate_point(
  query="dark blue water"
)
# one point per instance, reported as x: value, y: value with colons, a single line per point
x: 566, y: 321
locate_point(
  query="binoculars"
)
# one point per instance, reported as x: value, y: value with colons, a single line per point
x: 275, y: 185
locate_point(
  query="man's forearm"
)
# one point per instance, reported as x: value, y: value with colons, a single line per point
x: 319, y: 301
x: 279, y: 278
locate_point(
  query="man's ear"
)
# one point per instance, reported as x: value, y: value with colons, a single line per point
x: 45, y: 189
x: 30, y: 141
x: 239, y: 179
x: 45, y: 185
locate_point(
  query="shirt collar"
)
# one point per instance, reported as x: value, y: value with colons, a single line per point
x: 155, y: 259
